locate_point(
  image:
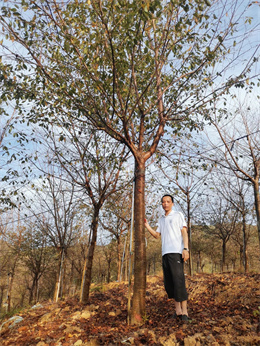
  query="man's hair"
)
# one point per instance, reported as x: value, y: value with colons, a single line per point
x: 168, y: 196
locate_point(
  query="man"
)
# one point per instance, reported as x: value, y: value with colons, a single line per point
x: 173, y: 231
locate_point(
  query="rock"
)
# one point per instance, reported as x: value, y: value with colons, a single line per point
x: 37, y: 306
x: 87, y: 314
x: 115, y: 313
x: 13, y: 321
x: 46, y: 317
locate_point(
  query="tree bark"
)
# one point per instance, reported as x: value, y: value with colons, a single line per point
x: 189, y: 234
x: 119, y: 258
x: 87, y: 271
x: 59, y: 276
x: 223, y: 262
x: 139, y: 289
x: 245, y: 262
x: 257, y: 204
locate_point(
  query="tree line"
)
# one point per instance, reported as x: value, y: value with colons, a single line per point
x: 34, y: 269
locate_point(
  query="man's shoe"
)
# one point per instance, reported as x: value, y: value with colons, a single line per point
x: 177, y: 317
x: 185, y: 318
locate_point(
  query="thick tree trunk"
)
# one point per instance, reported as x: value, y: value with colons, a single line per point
x: 87, y: 271
x: 138, y: 301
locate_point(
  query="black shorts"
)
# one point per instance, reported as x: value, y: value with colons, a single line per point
x: 174, y: 279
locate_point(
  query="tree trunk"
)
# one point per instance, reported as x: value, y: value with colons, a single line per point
x: 87, y: 271
x: 122, y: 261
x: 59, y: 277
x: 108, y: 271
x: 119, y: 259
x: 189, y: 234
x: 138, y: 301
x: 2, y: 288
x: 198, y: 262
x: 245, y: 262
x: 257, y: 205
x: 127, y: 259
x: 32, y: 296
x: 9, y: 290
x: 223, y: 255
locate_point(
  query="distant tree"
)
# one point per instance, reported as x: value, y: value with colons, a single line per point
x: 37, y: 256
x: 12, y: 237
x: 223, y: 222
x: 116, y: 220
x: 237, y: 193
x: 57, y: 220
x: 154, y: 256
x: 201, y: 248
x: 87, y: 164
x: 4, y: 262
x: 77, y: 255
x: 240, y: 152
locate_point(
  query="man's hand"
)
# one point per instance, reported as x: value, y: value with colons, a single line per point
x: 185, y: 255
x: 150, y: 230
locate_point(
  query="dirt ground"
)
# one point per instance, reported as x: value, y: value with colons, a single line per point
x: 224, y: 310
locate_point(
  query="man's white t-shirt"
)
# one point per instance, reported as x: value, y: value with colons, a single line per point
x: 170, y: 227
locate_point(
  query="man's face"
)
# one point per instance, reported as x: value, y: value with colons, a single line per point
x: 167, y: 204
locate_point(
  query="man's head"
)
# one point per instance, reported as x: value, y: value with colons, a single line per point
x: 167, y: 203
x: 167, y: 196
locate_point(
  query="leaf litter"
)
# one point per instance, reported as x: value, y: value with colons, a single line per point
x: 224, y: 310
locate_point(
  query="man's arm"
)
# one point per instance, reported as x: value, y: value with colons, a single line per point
x: 150, y: 230
x: 185, y: 253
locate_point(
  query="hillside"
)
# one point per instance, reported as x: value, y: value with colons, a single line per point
x: 224, y: 310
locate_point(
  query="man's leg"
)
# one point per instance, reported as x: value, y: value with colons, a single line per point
x: 184, y: 307
x: 181, y: 308
x: 178, y: 308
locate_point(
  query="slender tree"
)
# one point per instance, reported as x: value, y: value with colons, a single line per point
x: 13, y: 239
x: 116, y: 221
x: 37, y: 256
x: 58, y: 218
x: 240, y: 149
x: 94, y: 164
x: 223, y: 224
x: 238, y: 193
